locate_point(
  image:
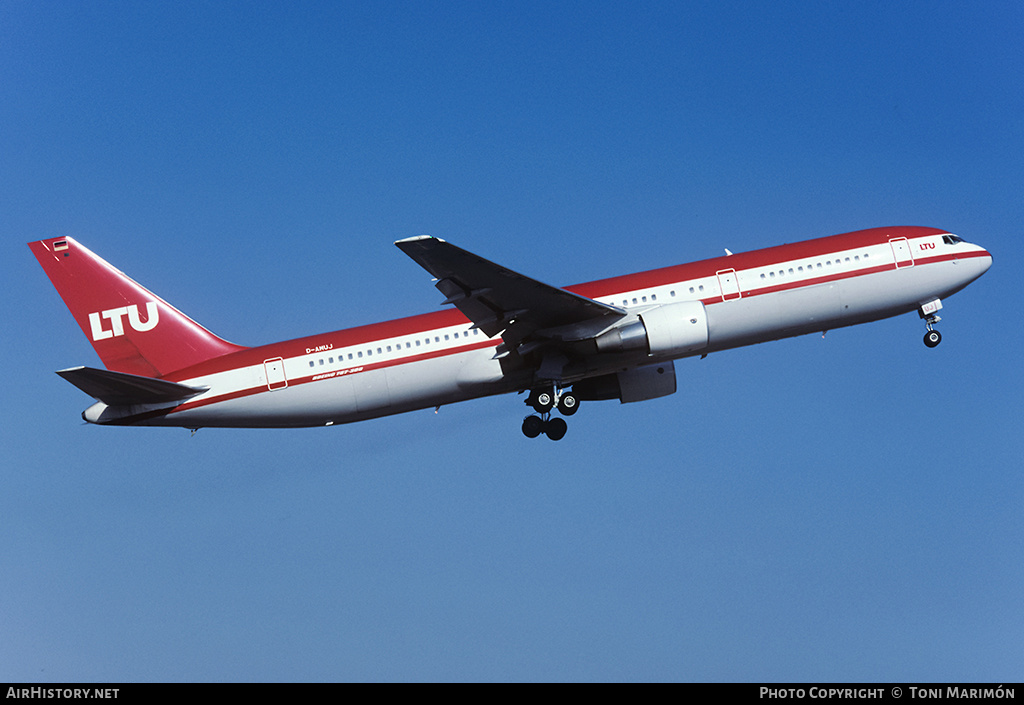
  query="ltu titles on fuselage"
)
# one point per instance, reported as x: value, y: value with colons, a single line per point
x: 615, y: 338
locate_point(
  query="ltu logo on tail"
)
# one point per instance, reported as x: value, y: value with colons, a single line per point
x: 116, y: 318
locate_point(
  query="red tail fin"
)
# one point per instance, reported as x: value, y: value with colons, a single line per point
x: 132, y: 329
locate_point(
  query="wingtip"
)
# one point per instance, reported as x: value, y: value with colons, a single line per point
x: 416, y: 238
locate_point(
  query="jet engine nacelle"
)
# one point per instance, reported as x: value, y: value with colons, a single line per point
x: 670, y: 330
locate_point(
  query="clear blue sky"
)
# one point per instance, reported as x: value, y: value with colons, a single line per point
x: 838, y: 509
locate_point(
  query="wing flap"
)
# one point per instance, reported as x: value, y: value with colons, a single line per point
x: 121, y: 388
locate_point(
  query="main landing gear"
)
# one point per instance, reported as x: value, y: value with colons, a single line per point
x: 543, y: 401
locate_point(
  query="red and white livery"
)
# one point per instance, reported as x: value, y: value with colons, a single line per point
x: 610, y: 339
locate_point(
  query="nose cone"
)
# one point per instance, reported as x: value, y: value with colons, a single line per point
x: 978, y: 261
x: 986, y: 261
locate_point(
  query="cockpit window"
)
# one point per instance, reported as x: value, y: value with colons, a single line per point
x: 951, y: 239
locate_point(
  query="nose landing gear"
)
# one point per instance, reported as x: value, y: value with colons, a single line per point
x: 929, y: 312
x: 543, y: 401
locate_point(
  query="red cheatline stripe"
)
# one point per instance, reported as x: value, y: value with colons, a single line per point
x: 310, y: 378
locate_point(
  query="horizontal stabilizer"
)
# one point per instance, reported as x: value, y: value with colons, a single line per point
x: 120, y: 388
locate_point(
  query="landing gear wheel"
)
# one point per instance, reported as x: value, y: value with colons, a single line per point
x: 556, y: 428
x: 932, y: 338
x: 532, y: 426
x: 541, y: 400
x: 568, y: 404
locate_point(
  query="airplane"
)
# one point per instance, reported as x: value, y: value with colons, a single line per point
x: 615, y: 338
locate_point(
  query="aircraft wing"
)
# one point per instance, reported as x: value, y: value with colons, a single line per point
x: 120, y: 388
x: 499, y: 300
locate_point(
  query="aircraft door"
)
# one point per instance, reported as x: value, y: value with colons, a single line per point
x: 274, y: 369
x: 729, y: 283
x: 901, y: 252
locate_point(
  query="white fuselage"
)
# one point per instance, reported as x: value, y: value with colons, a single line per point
x: 441, y: 358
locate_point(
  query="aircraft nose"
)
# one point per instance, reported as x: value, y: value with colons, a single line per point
x: 974, y: 261
x: 986, y: 261
x: 982, y: 261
